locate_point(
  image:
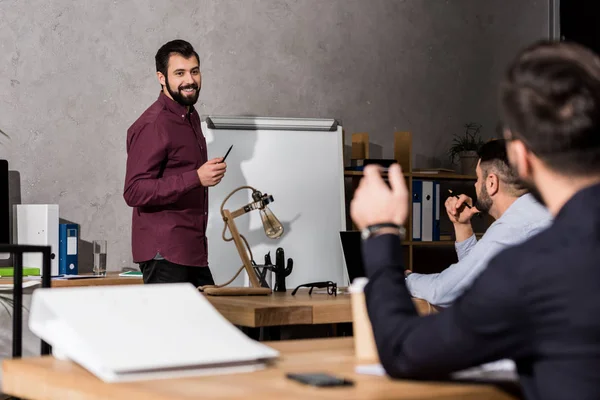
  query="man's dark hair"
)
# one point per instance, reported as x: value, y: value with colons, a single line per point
x: 177, y: 46
x: 550, y: 100
x: 494, y: 160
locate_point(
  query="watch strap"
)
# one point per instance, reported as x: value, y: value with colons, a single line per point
x: 371, y: 229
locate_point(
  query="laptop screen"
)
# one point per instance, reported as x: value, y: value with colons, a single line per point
x: 351, y: 247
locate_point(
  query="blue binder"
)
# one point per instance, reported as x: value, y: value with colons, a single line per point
x: 68, y: 249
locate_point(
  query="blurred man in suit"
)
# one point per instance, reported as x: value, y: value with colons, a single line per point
x: 538, y: 302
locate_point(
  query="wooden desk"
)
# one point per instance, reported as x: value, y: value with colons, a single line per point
x: 111, y: 278
x: 280, y: 309
x: 48, y: 379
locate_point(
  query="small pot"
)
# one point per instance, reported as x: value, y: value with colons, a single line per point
x: 468, y: 162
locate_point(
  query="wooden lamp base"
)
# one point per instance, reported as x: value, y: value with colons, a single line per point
x: 255, y: 288
x: 237, y: 291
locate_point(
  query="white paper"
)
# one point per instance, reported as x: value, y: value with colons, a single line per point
x: 502, y: 370
x: 370, y: 369
x: 79, y: 277
x: 177, y: 332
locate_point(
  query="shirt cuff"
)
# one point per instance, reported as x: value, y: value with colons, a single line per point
x: 414, y: 281
x: 191, y: 180
x: 465, y: 244
x: 382, y: 251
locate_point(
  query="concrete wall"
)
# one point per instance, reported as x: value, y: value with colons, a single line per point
x: 75, y: 75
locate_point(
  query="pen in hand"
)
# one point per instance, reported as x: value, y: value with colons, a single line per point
x: 458, y: 197
x: 226, y: 154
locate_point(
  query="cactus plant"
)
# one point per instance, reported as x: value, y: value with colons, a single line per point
x: 281, y: 271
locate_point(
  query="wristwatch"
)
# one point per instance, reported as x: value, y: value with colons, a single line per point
x: 371, y: 229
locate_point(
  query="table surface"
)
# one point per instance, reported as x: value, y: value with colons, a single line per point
x: 111, y: 278
x: 277, y: 309
x: 281, y: 308
x: 46, y: 378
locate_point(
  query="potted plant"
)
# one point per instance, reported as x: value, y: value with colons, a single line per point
x: 465, y: 148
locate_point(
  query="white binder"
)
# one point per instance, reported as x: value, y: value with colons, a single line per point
x: 37, y: 224
x: 174, y: 332
x: 428, y: 212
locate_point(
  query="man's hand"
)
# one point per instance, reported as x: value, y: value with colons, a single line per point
x: 374, y: 203
x: 458, y: 212
x: 212, y: 171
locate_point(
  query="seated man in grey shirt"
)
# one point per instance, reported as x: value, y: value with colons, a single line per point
x: 518, y: 216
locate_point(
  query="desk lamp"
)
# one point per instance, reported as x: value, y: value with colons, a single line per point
x: 273, y: 230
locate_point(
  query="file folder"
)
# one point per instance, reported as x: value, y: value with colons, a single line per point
x: 68, y: 249
x: 417, y: 194
x: 426, y: 211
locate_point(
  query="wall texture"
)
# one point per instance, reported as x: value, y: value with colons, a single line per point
x: 75, y: 75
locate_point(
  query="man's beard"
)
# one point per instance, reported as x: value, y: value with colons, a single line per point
x: 179, y: 97
x: 484, y: 201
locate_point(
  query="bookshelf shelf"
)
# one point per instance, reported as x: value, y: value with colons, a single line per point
x: 431, y: 244
x: 444, y: 176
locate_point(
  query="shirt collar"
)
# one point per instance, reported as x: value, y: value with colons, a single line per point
x: 174, y: 106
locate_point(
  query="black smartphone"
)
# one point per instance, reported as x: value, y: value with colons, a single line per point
x: 226, y: 154
x: 320, y: 379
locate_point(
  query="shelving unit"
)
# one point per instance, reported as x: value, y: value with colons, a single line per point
x: 403, y: 155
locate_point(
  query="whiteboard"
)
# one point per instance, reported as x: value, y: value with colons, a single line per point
x: 303, y: 171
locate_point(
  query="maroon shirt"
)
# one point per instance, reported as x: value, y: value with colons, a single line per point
x: 165, y: 147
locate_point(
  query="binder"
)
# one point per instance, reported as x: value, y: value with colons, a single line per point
x: 426, y: 211
x: 427, y: 216
x: 68, y: 249
x: 437, y: 210
x: 417, y: 193
x: 37, y: 224
x: 62, y: 318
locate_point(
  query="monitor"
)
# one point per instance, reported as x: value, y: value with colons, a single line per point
x: 351, y: 247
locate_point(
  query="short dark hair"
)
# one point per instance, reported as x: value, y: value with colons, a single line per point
x: 177, y: 46
x: 494, y: 159
x: 550, y: 100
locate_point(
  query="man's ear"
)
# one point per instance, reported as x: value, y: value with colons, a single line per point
x: 161, y: 78
x: 520, y: 159
x: 492, y: 184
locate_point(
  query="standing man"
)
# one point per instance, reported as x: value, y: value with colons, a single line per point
x: 168, y: 175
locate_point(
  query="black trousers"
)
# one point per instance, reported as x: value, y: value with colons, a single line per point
x: 163, y: 271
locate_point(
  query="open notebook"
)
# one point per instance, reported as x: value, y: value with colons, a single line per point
x: 174, y: 332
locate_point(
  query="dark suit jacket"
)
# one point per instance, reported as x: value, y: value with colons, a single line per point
x: 537, y: 303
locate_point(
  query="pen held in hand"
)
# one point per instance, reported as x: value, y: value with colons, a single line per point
x: 226, y: 154
x: 458, y: 197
